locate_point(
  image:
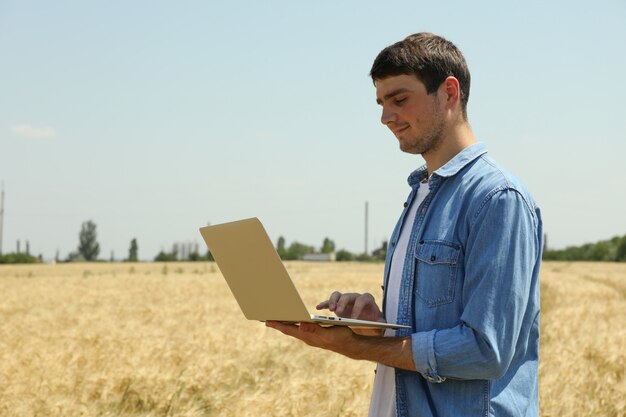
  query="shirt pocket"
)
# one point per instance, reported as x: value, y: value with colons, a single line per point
x: 435, y: 271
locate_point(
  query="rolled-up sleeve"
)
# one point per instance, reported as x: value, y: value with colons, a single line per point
x: 423, y: 344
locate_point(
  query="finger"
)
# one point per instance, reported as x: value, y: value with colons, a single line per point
x: 365, y: 308
x: 362, y: 304
x: 345, y: 304
x: 332, y: 301
x: 323, y: 305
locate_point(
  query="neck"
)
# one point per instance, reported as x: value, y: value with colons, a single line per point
x: 455, y: 139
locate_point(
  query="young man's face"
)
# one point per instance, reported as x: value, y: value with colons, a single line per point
x: 415, y: 117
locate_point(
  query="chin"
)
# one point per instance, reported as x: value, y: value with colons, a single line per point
x: 410, y: 150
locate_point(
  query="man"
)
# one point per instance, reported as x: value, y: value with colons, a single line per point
x: 462, y: 267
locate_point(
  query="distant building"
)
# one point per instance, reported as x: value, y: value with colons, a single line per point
x: 320, y: 257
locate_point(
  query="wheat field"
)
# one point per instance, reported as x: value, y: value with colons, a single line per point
x: 160, y: 339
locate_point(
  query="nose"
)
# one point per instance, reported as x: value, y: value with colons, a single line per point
x: 388, y: 115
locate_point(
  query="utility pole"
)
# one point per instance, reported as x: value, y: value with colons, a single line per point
x: 366, y: 221
x: 1, y: 214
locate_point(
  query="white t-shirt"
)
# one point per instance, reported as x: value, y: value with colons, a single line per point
x: 383, y: 403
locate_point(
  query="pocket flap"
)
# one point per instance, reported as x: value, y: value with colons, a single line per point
x: 437, y: 252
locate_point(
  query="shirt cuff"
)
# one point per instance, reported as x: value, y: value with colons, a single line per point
x: 423, y: 346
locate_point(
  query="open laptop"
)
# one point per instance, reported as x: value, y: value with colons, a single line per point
x: 258, y: 279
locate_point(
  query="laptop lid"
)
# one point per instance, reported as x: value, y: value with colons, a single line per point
x: 254, y: 272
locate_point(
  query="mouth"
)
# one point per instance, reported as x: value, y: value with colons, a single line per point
x: 399, y: 130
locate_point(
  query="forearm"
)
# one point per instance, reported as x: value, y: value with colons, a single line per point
x: 395, y: 352
x: 391, y: 351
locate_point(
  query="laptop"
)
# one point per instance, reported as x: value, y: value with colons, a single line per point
x: 258, y: 279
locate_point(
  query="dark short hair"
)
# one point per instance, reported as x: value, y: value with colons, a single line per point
x: 430, y: 58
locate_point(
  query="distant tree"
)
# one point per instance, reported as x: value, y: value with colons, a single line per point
x: 75, y: 257
x: 166, y: 257
x: 605, y: 250
x: 364, y: 257
x: 344, y: 255
x: 297, y: 251
x: 380, y: 253
x: 280, y: 247
x: 88, y: 245
x: 328, y: 246
x: 194, y: 253
x: 620, y: 253
x: 601, y: 251
x: 18, y: 258
x: 133, y: 251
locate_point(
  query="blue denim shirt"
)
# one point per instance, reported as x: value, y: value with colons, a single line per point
x: 470, y: 292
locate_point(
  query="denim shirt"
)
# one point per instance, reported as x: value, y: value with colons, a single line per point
x: 470, y: 292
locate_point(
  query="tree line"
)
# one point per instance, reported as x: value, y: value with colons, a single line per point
x: 88, y: 250
x: 297, y: 250
x: 612, y: 250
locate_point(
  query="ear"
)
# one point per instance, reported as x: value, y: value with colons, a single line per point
x: 451, y: 90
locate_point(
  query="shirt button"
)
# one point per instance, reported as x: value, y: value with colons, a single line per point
x: 405, y: 204
x: 433, y: 258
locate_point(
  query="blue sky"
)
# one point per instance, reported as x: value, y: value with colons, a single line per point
x: 153, y: 118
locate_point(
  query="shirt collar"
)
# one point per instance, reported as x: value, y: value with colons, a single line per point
x: 452, y: 167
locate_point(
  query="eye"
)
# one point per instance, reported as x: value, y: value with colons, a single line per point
x: 399, y: 101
